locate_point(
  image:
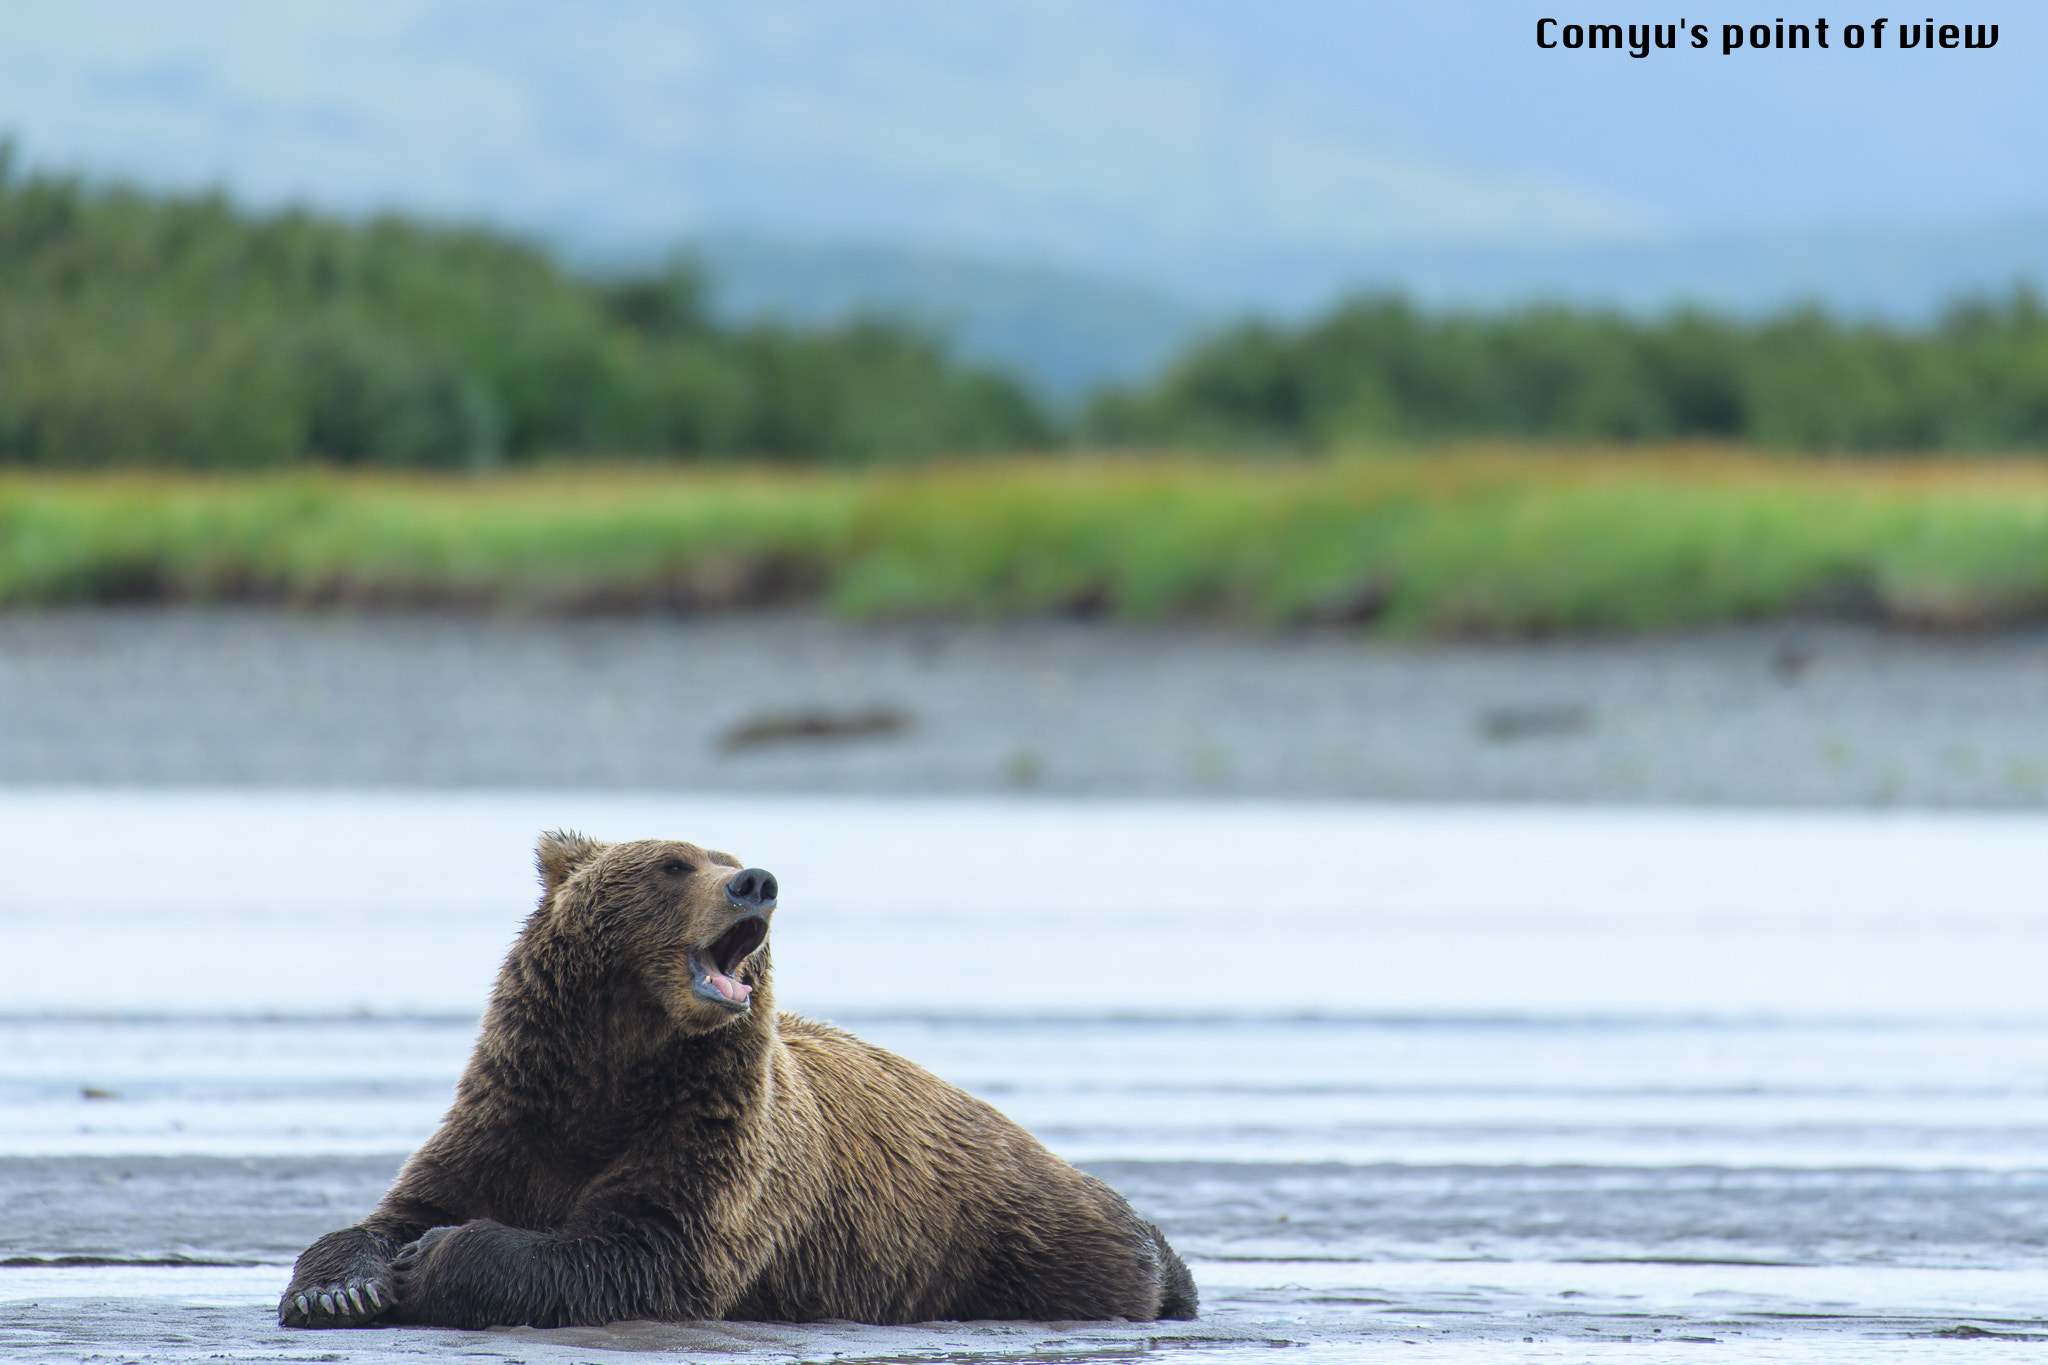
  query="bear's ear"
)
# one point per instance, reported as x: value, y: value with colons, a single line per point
x: 559, y: 853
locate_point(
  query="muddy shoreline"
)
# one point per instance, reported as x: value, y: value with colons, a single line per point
x: 1783, y: 714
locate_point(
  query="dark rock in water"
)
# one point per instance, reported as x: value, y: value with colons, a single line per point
x: 1357, y: 605
x: 1791, y: 662
x: 786, y: 726
x: 1524, y: 722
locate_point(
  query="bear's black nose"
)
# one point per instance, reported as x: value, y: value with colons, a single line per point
x: 752, y: 888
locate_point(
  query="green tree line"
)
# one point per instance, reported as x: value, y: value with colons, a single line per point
x: 1378, y: 368
x: 144, y: 328
x: 140, y: 328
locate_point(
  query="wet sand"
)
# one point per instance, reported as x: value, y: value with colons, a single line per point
x: 208, y: 1291
x: 1784, y: 714
x: 1667, y: 1214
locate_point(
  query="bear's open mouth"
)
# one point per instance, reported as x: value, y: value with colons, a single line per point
x: 716, y: 966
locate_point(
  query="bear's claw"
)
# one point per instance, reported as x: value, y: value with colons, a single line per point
x: 355, y: 1303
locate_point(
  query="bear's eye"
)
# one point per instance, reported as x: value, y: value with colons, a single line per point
x: 676, y: 867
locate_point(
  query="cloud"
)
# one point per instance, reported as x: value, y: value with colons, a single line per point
x: 1083, y: 132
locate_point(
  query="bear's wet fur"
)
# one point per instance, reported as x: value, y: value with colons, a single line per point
x: 639, y: 1134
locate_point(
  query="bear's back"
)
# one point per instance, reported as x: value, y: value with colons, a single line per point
x: 886, y: 1120
x: 920, y: 1196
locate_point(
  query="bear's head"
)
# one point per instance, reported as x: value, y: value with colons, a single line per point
x: 689, y: 923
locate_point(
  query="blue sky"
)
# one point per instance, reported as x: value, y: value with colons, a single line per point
x: 1695, y: 140
x: 1189, y: 143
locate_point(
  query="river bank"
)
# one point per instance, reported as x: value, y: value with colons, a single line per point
x: 792, y: 701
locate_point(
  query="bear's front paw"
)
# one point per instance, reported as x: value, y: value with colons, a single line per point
x: 344, y: 1303
x: 342, y: 1280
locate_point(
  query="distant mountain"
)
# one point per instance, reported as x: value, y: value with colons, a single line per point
x: 1070, y: 332
x: 1066, y: 331
x: 1901, y: 274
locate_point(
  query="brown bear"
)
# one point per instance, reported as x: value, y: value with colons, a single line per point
x: 639, y: 1134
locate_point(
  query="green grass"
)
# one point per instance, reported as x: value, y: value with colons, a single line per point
x: 1480, y: 539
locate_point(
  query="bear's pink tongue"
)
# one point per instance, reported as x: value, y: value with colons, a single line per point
x: 735, y: 991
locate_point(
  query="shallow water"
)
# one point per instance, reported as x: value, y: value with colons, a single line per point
x: 1455, y: 1076
x: 334, y: 902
